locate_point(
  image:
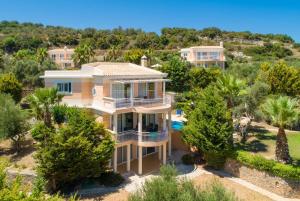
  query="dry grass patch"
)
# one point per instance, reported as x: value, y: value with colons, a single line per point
x: 243, y: 193
x: 22, y: 160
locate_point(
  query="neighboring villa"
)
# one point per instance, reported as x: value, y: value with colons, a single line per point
x: 129, y: 99
x: 205, y: 56
x: 62, y: 57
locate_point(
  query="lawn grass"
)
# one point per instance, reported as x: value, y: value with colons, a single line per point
x: 264, y: 142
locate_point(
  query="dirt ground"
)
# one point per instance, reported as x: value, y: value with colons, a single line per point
x: 121, y: 195
x: 242, y: 193
x: 22, y: 160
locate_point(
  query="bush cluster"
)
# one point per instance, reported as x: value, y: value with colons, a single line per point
x: 14, y: 189
x: 187, y: 159
x: 167, y: 187
x: 271, y: 166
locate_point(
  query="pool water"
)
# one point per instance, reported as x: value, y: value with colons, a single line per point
x: 177, y: 125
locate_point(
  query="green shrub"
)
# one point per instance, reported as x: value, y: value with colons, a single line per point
x: 188, y: 159
x: 215, y: 160
x: 271, y: 166
x: 110, y: 179
x: 13, y: 190
x: 167, y: 187
x: 59, y: 113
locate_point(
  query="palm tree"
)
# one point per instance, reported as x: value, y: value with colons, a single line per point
x: 41, y: 55
x: 113, y: 53
x: 82, y: 54
x: 42, y: 102
x: 282, y: 111
x: 230, y: 87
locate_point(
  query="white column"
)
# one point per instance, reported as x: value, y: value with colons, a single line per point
x: 170, y: 132
x: 128, y: 157
x: 159, y: 152
x: 140, y: 168
x: 164, y: 92
x: 131, y: 93
x: 115, y: 123
x: 164, y: 121
x: 164, y: 153
x: 140, y: 126
x: 115, y: 159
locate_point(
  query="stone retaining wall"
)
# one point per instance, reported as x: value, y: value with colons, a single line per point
x: 280, y: 186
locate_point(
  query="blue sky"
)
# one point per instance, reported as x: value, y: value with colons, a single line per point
x: 262, y: 16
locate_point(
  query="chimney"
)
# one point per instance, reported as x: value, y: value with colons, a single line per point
x: 144, y: 61
x: 221, y: 44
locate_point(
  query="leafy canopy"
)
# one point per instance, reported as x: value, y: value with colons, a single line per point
x: 13, y: 124
x: 81, y: 148
x: 10, y: 85
x: 209, y: 126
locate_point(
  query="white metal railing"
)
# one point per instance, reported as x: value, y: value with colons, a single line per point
x: 143, y: 137
x: 109, y: 102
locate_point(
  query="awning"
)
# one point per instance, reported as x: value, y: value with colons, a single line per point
x: 141, y: 81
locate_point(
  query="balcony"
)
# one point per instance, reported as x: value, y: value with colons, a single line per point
x: 133, y: 135
x: 113, y: 103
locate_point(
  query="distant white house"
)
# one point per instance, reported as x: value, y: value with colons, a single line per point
x: 62, y: 57
x: 205, y: 56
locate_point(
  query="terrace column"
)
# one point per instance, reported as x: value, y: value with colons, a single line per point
x: 115, y: 123
x: 140, y: 126
x: 115, y: 159
x: 140, y: 167
x: 164, y: 121
x: 131, y: 93
x: 164, y: 92
x: 159, y: 152
x: 170, y: 132
x: 164, y: 153
x: 128, y: 157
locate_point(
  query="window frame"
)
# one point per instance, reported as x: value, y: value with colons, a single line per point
x: 64, y: 87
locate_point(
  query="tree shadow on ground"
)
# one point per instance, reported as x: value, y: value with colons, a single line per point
x: 260, y: 136
x: 253, y: 146
x: 258, y: 129
x: 27, y: 148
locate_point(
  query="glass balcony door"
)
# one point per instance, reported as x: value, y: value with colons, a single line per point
x: 146, y: 90
x: 149, y: 123
x: 120, y: 91
x: 125, y: 122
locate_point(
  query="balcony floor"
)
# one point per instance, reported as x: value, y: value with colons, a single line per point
x: 151, y: 163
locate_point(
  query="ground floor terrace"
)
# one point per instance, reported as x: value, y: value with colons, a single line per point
x: 150, y: 163
x: 138, y: 136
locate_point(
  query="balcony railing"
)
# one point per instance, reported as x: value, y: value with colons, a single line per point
x: 109, y: 102
x: 143, y: 137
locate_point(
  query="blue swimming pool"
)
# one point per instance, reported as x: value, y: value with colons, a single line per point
x: 177, y: 125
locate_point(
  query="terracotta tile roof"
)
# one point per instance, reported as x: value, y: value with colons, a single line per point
x: 123, y: 69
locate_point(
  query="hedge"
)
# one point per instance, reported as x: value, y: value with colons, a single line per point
x: 271, y: 166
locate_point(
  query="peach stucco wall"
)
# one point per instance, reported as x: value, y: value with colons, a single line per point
x: 106, y: 88
x: 86, y: 91
x: 81, y: 89
x: 177, y: 142
x: 159, y: 88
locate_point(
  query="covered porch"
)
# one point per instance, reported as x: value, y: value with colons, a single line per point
x: 139, y: 135
x: 151, y: 163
